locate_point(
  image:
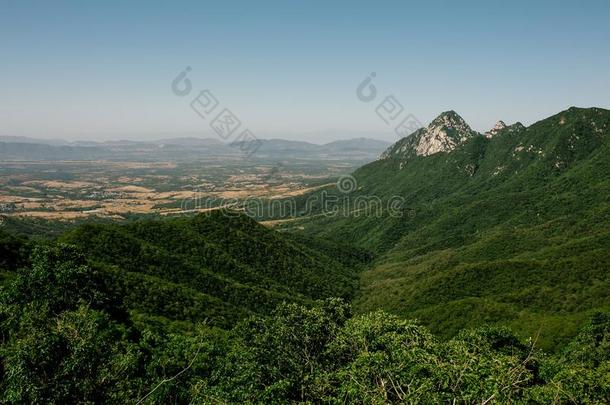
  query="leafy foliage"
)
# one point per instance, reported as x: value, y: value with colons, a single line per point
x: 67, y: 338
x: 218, y: 267
x: 513, y: 230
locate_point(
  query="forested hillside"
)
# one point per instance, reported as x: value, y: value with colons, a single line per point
x: 144, y: 313
x: 511, y: 229
x: 218, y: 267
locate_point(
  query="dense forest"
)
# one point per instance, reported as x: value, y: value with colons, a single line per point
x: 512, y: 230
x: 138, y: 313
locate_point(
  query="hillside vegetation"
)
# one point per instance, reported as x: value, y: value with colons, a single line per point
x: 489, y: 284
x: 68, y: 337
x: 218, y: 267
x: 512, y: 229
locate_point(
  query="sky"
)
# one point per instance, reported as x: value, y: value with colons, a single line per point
x: 104, y: 70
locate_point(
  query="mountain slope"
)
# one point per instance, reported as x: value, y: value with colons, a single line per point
x: 447, y: 131
x: 223, y: 266
x: 511, y: 229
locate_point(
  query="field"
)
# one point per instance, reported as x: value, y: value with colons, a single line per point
x: 68, y: 190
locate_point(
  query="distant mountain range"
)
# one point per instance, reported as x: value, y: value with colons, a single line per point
x: 23, y: 148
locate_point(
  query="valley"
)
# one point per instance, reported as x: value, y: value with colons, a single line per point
x: 305, y: 203
x: 494, y: 261
x: 73, y: 189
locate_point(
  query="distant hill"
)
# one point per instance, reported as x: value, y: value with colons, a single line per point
x: 512, y: 226
x: 25, y: 139
x: 37, y: 151
x: 190, y: 141
x: 361, y: 144
x: 21, y: 148
x: 360, y: 148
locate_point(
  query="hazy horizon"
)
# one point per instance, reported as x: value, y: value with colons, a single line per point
x: 96, y: 72
x: 314, y: 137
x: 209, y: 136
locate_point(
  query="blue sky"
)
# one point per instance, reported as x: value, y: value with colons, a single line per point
x: 102, y: 70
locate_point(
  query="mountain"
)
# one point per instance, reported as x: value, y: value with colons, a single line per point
x: 218, y: 266
x: 357, y: 144
x: 111, y: 328
x: 443, y: 134
x: 179, y: 312
x: 25, y: 139
x: 502, y: 127
x: 278, y: 146
x: 190, y: 141
x: 358, y: 148
x: 36, y: 151
x: 511, y: 229
x: 17, y: 148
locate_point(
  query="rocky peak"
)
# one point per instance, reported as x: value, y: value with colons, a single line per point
x: 443, y: 134
x: 448, y: 119
x: 500, y: 125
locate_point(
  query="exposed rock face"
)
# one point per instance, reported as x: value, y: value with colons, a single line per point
x: 500, y: 125
x: 444, y: 133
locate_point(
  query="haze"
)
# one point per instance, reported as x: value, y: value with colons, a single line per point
x: 103, y: 71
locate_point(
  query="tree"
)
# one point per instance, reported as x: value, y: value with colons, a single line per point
x: 55, y: 347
